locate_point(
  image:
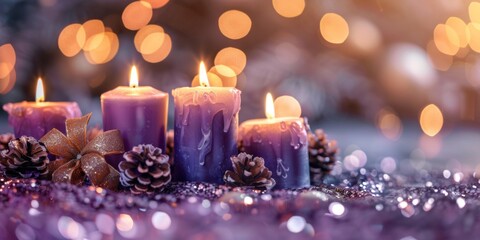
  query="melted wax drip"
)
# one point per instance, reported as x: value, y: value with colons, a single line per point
x: 209, y: 107
x: 272, y: 137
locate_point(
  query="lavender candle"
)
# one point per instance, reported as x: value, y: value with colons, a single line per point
x: 140, y: 113
x: 37, y: 118
x: 206, y: 122
x: 282, y: 143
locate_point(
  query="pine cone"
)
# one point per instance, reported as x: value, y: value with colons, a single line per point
x: 4, y: 140
x: 249, y: 172
x: 145, y: 169
x: 322, y: 155
x: 25, y: 157
x: 169, y: 148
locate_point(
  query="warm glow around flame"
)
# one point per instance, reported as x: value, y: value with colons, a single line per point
x: 269, y: 107
x: 40, y: 95
x: 202, y: 74
x: 133, y: 77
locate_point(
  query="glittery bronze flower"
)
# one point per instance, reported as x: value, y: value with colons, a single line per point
x: 79, y: 158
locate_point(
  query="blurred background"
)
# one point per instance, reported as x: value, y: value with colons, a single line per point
x: 395, y: 82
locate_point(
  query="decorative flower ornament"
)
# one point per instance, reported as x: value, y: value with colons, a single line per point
x: 79, y: 158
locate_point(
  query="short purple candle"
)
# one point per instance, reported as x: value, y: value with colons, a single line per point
x: 282, y: 143
x: 35, y: 119
x: 206, y: 122
x: 140, y: 113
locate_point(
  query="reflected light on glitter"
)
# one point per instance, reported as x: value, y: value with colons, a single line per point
x: 70, y: 229
x: 337, y: 209
x: 461, y: 202
x: 105, y: 223
x: 296, y: 224
x: 388, y: 165
x: 248, y: 200
x: 124, y: 223
x: 161, y: 220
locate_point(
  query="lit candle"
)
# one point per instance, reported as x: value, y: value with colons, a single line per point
x: 37, y: 118
x: 281, y: 141
x: 139, y: 112
x: 206, y: 122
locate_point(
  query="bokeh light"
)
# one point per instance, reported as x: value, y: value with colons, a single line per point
x: 364, y: 36
x: 232, y: 57
x: 474, y: 32
x: 161, y: 53
x: 149, y: 39
x: 287, y: 106
x: 474, y: 12
x: 446, y: 39
x: 289, y: 8
x: 234, y: 24
x: 213, y: 80
x: 226, y: 74
x: 71, y: 39
x: 440, y: 61
x: 157, y: 3
x: 124, y: 223
x: 161, y: 220
x: 7, y: 83
x: 431, y: 120
x: 106, y: 49
x: 8, y: 59
x: 461, y: 30
x: 92, y: 30
x: 389, y: 124
x: 334, y: 28
x: 137, y: 15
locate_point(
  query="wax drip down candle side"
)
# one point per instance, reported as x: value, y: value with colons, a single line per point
x: 282, y: 143
x: 205, y: 132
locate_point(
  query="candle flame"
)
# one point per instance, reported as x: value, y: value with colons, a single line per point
x: 133, y: 77
x: 269, y: 107
x: 40, y: 95
x: 202, y: 75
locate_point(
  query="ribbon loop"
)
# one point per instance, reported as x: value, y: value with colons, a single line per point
x: 77, y: 130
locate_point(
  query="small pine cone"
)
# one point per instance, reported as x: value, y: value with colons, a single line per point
x: 145, y: 169
x: 322, y: 155
x: 249, y: 172
x: 169, y: 148
x: 4, y: 140
x: 25, y: 157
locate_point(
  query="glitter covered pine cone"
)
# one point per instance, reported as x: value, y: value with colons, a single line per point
x: 249, y: 171
x: 322, y: 155
x: 24, y: 157
x: 145, y: 169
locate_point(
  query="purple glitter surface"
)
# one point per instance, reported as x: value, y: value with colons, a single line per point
x: 364, y: 204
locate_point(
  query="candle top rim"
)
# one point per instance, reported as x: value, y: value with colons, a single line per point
x: 268, y: 121
x: 133, y: 92
x: 40, y: 104
x: 210, y: 87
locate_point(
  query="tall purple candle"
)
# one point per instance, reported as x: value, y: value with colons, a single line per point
x: 282, y: 143
x: 35, y: 119
x: 140, y: 113
x: 206, y: 122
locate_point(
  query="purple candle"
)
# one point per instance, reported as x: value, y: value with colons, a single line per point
x: 282, y: 143
x: 140, y: 113
x: 206, y: 122
x: 35, y: 119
